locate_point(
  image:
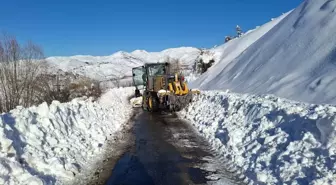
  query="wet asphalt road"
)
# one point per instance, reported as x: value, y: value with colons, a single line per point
x: 167, y: 150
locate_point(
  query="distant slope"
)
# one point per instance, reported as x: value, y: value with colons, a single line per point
x: 186, y: 54
x: 98, y: 67
x: 296, y: 59
x: 119, y: 64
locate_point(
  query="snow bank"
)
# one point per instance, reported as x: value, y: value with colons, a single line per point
x: 270, y: 140
x: 294, y: 60
x: 57, y: 143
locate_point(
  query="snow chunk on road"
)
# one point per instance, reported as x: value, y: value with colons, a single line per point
x: 57, y: 143
x: 271, y: 140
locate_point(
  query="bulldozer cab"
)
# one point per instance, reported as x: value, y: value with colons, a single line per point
x: 138, y: 76
x: 156, y: 69
x: 156, y: 76
x: 142, y: 73
x: 151, y: 77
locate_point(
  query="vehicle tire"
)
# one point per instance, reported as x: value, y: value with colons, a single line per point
x: 137, y: 93
x: 153, y: 104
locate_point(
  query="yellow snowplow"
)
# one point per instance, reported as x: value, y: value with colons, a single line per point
x: 163, y: 89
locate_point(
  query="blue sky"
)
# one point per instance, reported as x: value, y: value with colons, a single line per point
x: 74, y: 27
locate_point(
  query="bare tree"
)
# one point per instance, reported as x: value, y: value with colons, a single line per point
x: 26, y: 81
x: 53, y: 87
x: 175, y: 65
x: 20, y: 66
x: 116, y: 81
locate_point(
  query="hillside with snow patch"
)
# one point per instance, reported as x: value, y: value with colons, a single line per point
x: 295, y: 59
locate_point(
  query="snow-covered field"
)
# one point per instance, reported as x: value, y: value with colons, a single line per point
x: 295, y: 59
x: 269, y: 139
x: 58, y: 143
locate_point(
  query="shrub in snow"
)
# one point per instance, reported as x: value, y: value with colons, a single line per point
x: 204, y: 61
x: 203, y: 67
x: 64, y: 87
x: 175, y: 64
x: 271, y: 140
x: 84, y: 87
x: 227, y: 39
x: 239, y: 31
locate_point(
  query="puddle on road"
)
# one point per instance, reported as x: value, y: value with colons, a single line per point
x: 129, y: 170
x: 198, y: 176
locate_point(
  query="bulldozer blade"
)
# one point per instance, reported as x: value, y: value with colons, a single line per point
x: 181, y: 102
x: 136, y: 102
x: 195, y: 91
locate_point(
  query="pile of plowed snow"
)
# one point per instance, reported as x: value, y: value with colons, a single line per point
x: 295, y: 59
x: 268, y: 139
x: 57, y: 143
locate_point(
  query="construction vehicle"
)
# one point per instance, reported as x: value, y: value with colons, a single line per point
x: 163, y: 88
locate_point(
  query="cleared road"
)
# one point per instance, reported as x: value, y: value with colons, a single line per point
x: 166, y: 150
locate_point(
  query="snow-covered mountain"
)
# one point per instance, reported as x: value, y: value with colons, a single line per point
x: 295, y: 59
x: 120, y: 64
